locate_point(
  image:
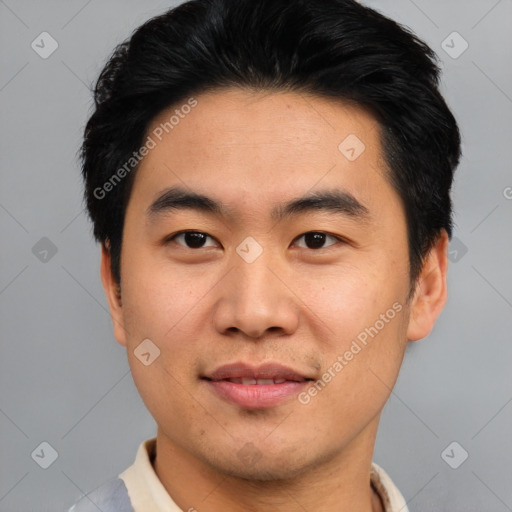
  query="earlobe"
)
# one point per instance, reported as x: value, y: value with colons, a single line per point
x: 113, y: 294
x: 431, y: 291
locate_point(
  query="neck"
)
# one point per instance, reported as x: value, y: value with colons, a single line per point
x: 340, y: 484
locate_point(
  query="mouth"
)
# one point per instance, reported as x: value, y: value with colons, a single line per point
x: 253, y: 382
x: 243, y: 373
x: 252, y: 387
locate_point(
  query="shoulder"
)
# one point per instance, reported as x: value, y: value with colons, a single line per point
x: 111, y: 496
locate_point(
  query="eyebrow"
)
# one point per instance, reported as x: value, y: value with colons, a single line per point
x: 335, y: 201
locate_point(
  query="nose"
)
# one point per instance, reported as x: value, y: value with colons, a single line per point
x: 257, y: 299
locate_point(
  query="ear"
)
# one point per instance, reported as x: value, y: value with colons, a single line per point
x: 113, y: 293
x: 431, y: 292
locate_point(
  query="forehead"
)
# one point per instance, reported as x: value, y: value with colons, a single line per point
x: 255, y: 147
x: 232, y: 116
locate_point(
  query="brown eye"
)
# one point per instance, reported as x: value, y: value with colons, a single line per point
x: 316, y: 239
x: 197, y: 239
x: 192, y: 239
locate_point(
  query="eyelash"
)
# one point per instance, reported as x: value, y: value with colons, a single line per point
x: 173, y: 237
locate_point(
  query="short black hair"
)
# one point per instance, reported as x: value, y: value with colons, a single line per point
x: 336, y: 49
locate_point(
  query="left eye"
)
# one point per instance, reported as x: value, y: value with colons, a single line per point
x: 316, y: 239
x: 197, y: 239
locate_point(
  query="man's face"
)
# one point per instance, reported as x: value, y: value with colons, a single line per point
x: 254, y: 290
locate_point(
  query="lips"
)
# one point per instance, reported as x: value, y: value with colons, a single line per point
x: 270, y: 373
x: 261, y: 387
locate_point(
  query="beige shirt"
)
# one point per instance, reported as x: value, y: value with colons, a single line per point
x: 146, y: 492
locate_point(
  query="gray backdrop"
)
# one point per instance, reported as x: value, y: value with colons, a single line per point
x: 65, y: 381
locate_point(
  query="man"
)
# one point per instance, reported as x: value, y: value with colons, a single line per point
x: 270, y: 184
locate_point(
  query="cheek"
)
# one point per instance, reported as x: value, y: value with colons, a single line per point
x: 347, y: 298
x: 159, y: 299
x: 160, y: 304
x: 359, y: 372
x: 366, y: 319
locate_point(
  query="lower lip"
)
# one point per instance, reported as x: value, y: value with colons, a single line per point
x: 256, y: 396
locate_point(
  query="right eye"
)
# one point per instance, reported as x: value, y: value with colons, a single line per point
x: 191, y: 239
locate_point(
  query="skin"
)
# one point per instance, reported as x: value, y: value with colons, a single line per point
x: 302, y: 307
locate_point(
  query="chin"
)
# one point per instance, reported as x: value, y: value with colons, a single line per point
x: 253, y: 464
x: 260, y: 472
